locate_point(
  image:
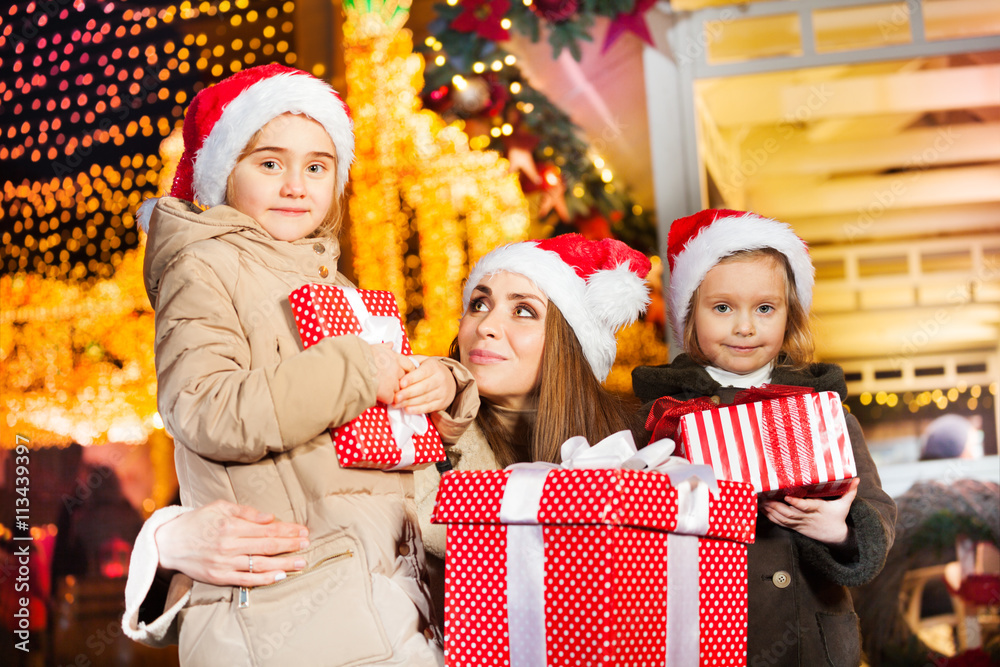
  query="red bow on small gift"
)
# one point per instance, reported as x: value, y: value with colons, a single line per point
x: 665, y: 415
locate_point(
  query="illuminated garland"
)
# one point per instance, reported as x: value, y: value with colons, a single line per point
x: 88, y: 83
x: 78, y: 361
x: 470, y: 78
x: 423, y: 204
x: 76, y: 336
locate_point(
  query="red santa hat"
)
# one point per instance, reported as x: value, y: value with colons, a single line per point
x: 221, y: 120
x: 598, y: 286
x: 698, y: 242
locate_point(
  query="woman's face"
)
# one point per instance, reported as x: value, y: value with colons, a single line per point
x: 501, y: 337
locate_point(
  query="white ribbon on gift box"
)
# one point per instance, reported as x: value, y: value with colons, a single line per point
x: 376, y: 329
x: 526, y: 551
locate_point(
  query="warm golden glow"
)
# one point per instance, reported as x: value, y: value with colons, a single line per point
x: 415, y: 177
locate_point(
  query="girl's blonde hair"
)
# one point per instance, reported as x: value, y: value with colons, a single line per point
x: 798, y: 346
x: 569, y: 400
x: 330, y: 227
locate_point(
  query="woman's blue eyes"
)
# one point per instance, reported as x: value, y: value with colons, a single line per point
x: 766, y: 309
x: 722, y: 308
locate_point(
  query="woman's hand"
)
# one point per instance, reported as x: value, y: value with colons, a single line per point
x: 429, y: 388
x: 213, y: 544
x: 823, y: 520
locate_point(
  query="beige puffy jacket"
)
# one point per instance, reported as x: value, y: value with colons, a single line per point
x: 250, y: 411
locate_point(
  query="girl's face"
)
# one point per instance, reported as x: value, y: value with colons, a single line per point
x: 740, y: 313
x: 501, y: 337
x: 286, y: 183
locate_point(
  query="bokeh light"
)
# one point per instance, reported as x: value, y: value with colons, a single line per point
x: 105, y: 84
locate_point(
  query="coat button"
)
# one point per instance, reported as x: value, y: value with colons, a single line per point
x: 323, y: 272
x: 319, y: 248
x: 404, y: 549
x: 716, y: 400
x: 781, y: 579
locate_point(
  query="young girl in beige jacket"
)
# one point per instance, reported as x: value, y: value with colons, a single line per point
x: 267, y: 151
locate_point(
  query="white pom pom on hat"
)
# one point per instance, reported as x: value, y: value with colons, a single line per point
x: 698, y: 242
x: 222, y: 119
x: 599, y: 286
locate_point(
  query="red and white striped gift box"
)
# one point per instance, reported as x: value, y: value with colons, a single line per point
x: 795, y: 444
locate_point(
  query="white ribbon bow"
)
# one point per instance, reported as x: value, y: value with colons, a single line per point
x: 526, y: 550
x: 377, y: 329
x: 694, y: 483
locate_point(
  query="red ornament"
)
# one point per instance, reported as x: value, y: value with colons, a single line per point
x: 555, y: 11
x: 483, y: 18
x: 594, y: 226
x: 499, y: 94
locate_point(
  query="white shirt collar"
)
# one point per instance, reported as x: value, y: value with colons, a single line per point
x: 753, y: 379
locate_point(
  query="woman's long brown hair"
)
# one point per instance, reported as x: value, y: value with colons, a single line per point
x: 570, y: 401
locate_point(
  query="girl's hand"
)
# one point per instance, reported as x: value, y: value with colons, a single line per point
x: 429, y: 388
x: 213, y: 544
x: 390, y: 369
x: 823, y: 520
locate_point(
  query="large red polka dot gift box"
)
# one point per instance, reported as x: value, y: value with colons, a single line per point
x: 381, y: 437
x: 596, y: 562
x: 784, y: 440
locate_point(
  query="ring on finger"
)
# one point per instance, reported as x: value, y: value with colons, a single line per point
x: 250, y: 559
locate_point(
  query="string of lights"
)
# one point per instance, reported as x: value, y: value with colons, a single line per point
x: 87, y: 92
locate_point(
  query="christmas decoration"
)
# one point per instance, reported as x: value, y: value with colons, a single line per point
x: 508, y: 115
x: 791, y: 444
x: 620, y: 558
x: 78, y: 360
x: 381, y: 437
x: 554, y: 11
x: 424, y: 206
x: 93, y: 129
x: 483, y: 17
x: 632, y: 21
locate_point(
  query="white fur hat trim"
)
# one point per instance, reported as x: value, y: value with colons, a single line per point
x: 251, y: 110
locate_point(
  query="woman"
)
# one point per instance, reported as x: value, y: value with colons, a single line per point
x: 538, y: 335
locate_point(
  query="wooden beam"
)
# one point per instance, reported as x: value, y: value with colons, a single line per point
x: 772, y: 100
x: 871, y: 196
x: 906, y: 332
x: 952, y: 144
x: 855, y: 227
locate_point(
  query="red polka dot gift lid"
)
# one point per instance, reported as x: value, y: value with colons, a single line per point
x: 604, y: 496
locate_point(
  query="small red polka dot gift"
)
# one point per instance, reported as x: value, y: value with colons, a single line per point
x: 381, y: 437
x: 596, y: 561
x: 782, y: 439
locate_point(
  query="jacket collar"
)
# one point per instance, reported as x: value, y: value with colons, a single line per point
x: 684, y: 379
x: 176, y: 224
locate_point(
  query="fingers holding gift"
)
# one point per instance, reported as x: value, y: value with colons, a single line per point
x: 821, y: 519
x: 390, y: 367
x: 429, y: 388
